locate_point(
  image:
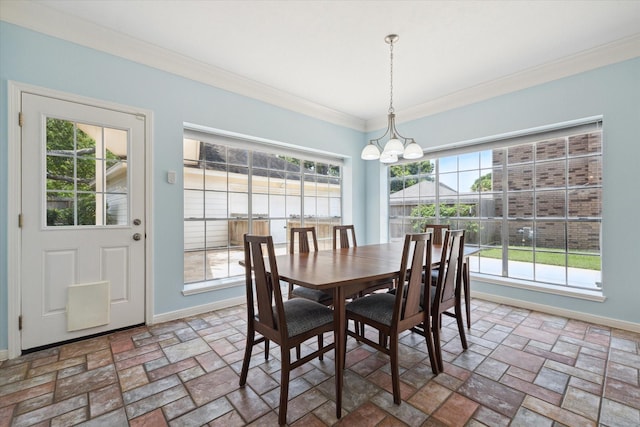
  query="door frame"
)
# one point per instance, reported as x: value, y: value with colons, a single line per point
x: 14, y: 202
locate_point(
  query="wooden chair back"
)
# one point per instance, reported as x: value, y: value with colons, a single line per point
x: 437, y: 230
x: 303, y: 239
x: 448, y: 289
x: 267, y: 292
x: 416, y: 261
x: 449, y: 283
x: 344, y: 234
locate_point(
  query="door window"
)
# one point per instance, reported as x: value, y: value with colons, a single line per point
x: 86, y: 175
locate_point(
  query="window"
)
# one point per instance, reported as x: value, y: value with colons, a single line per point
x: 531, y: 203
x: 236, y: 187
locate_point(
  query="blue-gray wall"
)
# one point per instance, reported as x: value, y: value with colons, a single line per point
x: 613, y: 91
x: 32, y: 58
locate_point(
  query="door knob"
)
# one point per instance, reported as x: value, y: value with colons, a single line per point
x: 137, y: 236
x: 137, y: 221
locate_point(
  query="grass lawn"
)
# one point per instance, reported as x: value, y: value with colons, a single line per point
x: 589, y: 262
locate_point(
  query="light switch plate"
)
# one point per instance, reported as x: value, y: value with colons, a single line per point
x: 171, y: 177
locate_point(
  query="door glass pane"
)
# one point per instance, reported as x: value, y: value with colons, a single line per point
x: 87, y: 208
x: 116, y: 176
x: 89, y: 170
x: 60, y: 208
x: 115, y: 144
x: 117, y: 209
x: 89, y: 163
x: 60, y: 173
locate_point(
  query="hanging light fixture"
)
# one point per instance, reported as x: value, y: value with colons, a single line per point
x: 397, y: 144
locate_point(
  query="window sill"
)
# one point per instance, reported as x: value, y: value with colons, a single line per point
x: 585, y: 294
x: 212, y: 285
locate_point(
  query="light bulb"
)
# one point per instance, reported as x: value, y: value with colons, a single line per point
x: 370, y: 152
x: 387, y: 157
x: 413, y: 151
x: 394, y: 146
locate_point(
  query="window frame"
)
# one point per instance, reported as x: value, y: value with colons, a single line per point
x: 502, y: 142
x: 305, y: 178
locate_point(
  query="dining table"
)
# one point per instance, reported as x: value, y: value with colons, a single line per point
x: 344, y: 272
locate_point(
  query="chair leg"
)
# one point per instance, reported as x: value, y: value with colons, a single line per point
x: 428, y: 336
x: 266, y: 349
x: 435, y: 328
x: 298, y: 351
x: 320, y: 345
x: 344, y: 344
x: 463, y: 338
x: 358, y: 328
x: 466, y: 280
x: 284, y: 385
x: 247, y: 357
x: 289, y: 294
x: 395, y: 371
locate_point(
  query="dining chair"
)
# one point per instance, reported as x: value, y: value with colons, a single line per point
x: 446, y: 293
x: 303, y: 236
x: 344, y: 234
x: 392, y: 314
x: 437, y: 230
x: 287, y: 323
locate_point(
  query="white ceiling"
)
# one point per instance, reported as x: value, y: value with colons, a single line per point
x: 333, y: 53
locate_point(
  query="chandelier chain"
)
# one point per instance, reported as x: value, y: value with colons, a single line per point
x: 391, y: 78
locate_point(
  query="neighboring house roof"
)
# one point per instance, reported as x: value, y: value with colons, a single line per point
x: 425, y: 191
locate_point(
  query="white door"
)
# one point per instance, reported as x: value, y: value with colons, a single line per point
x: 82, y: 221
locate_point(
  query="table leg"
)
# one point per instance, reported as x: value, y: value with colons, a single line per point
x: 339, y: 335
x: 466, y: 278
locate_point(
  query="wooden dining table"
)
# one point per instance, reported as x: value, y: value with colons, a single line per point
x: 344, y: 272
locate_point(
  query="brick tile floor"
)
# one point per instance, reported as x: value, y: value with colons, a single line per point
x: 522, y: 368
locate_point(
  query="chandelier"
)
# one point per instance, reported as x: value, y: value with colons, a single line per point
x: 397, y: 144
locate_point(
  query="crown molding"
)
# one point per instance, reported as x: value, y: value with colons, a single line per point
x: 611, y: 53
x: 49, y: 21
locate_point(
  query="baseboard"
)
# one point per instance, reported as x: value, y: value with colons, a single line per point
x: 4, y: 355
x: 194, y: 311
x: 578, y: 315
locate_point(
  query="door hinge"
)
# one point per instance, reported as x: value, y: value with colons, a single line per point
x: 20, y: 322
x: 19, y: 220
x: 20, y: 119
